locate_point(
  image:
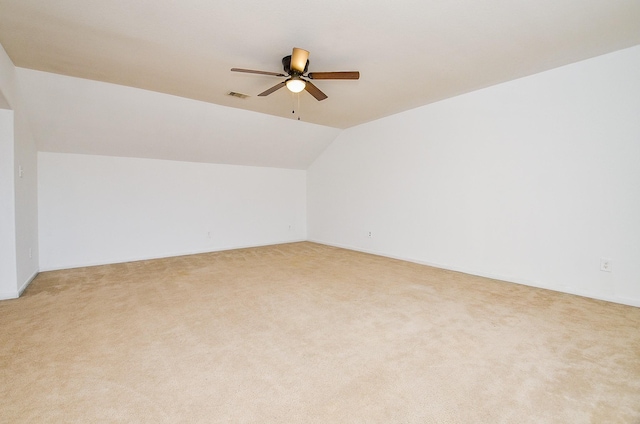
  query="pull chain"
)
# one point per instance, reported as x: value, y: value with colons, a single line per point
x: 293, y: 99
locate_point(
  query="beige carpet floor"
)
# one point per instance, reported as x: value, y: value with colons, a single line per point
x: 306, y: 333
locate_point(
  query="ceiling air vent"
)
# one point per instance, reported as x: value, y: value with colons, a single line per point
x: 238, y: 95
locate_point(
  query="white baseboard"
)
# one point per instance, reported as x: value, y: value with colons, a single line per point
x: 8, y: 295
x: 24, y: 285
x: 168, y: 255
x: 17, y: 293
x: 508, y: 279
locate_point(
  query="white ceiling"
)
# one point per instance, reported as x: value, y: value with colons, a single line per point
x: 409, y: 52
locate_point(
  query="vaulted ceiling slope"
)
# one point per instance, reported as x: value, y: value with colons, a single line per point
x: 74, y: 115
x: 409, y: 52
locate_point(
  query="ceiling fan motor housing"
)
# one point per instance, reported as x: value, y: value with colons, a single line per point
x: 286, y: 64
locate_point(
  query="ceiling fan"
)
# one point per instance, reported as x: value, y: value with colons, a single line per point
x: 295, y: 67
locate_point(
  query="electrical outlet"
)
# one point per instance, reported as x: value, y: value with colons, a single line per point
x: 369, y: 234
x: 605, y: 264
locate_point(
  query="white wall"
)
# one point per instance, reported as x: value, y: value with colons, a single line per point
x: 100, y: 209
x: 20, y: 229
x: 8, y: 276
x: 531, y: 181
x: 26, y: 199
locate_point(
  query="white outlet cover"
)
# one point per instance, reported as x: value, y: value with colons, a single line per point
x: 605, y: 264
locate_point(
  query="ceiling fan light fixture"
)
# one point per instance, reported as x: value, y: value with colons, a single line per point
x: 296, y: 85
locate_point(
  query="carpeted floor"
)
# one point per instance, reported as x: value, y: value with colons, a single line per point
x: 306, y: 333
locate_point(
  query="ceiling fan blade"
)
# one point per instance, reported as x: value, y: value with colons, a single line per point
x: 272, y: 89
x: 299, y: 59
x: 346, y: 75
x: 315, y: 91
x: 251, y: 71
